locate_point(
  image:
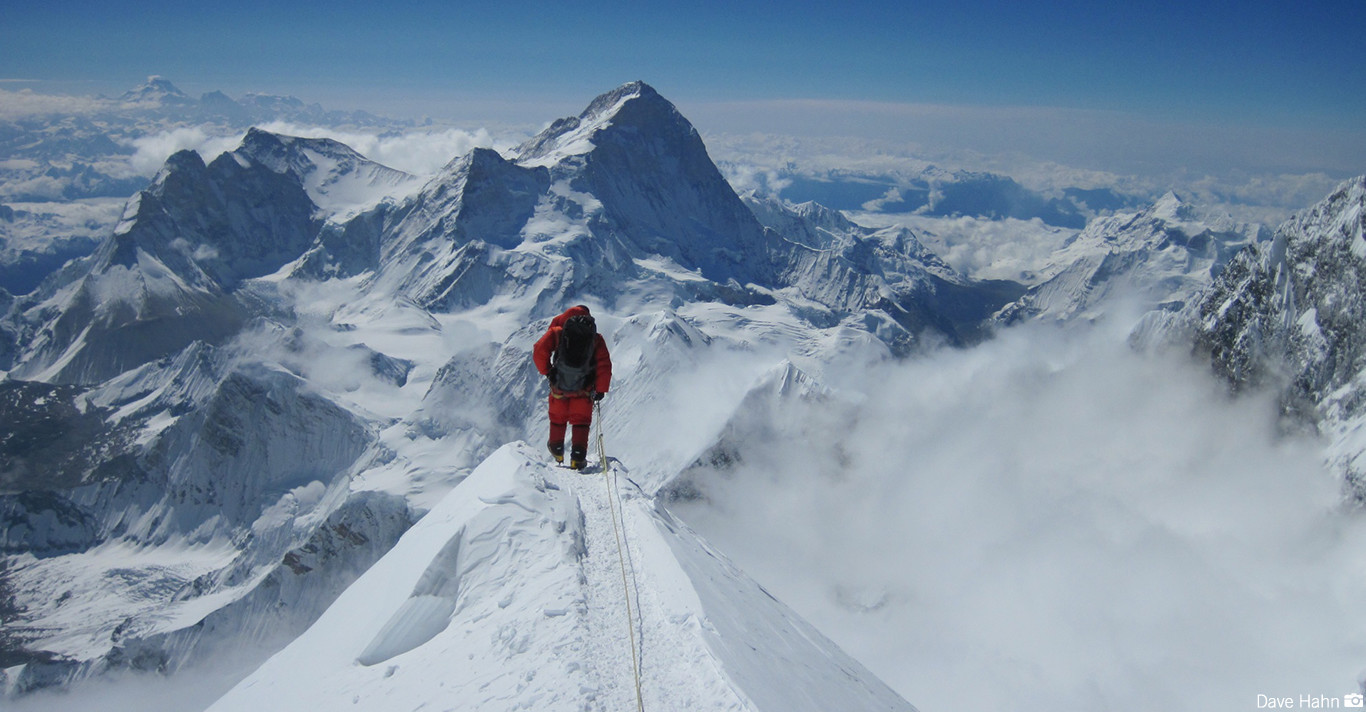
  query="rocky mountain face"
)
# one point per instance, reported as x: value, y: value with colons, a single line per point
x: 166, y: 277
x: 172, y: 272
x: 196, y: 501
x: 847, y: 268
x: 138, y: 423
x: 338, y: 180
x: 1288, y: 314
x: 623, y: 194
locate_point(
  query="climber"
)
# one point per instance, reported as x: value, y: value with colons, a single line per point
x: 573, y: 357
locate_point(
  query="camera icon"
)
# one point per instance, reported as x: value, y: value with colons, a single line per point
x: 1353, y: 700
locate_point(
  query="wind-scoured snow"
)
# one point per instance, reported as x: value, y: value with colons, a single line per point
x: 509, y: 595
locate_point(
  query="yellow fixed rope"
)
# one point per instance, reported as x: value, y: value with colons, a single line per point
x: 623, y: 551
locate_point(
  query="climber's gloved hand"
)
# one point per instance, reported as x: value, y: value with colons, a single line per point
x: 551, y: 374
x: 598, y: 396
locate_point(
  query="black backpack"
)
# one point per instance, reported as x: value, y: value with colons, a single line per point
x: 573, y: 359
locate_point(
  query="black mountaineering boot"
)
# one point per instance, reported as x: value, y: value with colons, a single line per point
x: 577, y: 459
x: 557, y: 452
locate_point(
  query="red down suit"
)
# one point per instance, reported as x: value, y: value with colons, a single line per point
x: 573, y: 407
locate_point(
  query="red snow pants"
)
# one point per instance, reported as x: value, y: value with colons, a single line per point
x: 570, y: 409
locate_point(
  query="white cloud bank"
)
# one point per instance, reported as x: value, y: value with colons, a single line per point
x: 1049, y: 522
x: 26, y: 103
x: 151, y: 151
x: 420, y: 152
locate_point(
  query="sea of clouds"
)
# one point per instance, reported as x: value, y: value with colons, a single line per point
x: 765, y: 163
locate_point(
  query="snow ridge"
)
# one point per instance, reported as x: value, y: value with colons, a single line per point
x: 340, y: 181
x: 508, y: 596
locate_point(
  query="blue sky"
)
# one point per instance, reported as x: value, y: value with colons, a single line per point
x: 1293, y: 68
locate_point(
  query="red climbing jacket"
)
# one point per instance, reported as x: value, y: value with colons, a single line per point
x: 548, y: 343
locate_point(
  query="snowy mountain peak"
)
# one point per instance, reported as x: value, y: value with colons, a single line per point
x: 608, y: 103
x: 1342, y: 214
x: 636, y: 104
x: 823, y: 216
x: 654, y: 184
x: 163, y: 279
x: 1172, y: 208
x: 272, y: 148
x: 179, y: 163
x: 339, y: 180
x: 157, y: 90
x: 480, y: 159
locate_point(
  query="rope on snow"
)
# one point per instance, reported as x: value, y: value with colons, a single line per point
x: 623, y: 549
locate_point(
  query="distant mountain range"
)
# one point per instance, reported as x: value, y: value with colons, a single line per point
x: 63, y: 175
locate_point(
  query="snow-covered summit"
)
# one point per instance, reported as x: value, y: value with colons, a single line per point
x: 849, y: 268
x: 339, y: 180
x: 623, y: 203
x: 1173, y: 209
x: 655, y: 185
x: 573, y: 135
x: 157, y: 91
x: 509, y: 595
x: 168, y: 274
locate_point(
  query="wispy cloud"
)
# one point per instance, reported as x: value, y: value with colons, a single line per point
x: 151, y: 151
x: 419, y: 151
